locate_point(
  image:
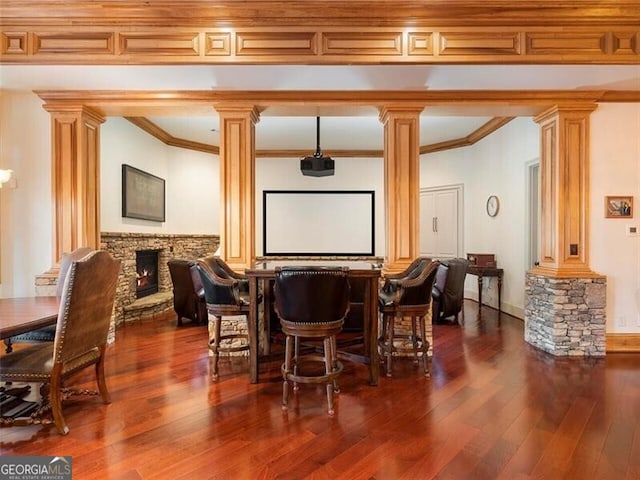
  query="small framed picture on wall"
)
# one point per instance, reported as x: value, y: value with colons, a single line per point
x: 618, y: 206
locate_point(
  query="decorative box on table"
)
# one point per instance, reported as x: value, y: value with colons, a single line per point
x: 482, y: 259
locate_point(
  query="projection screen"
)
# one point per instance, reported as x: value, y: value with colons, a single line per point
x: 318, y: 222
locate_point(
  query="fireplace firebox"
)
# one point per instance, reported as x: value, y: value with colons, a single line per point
x: 146, y: 272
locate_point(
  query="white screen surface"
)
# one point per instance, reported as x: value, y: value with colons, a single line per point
x: 318, y: 222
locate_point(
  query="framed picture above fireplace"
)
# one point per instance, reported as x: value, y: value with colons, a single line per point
x: 143, y: 195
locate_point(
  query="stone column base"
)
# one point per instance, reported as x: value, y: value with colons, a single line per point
x: 566, y: 316
x: 236, y: 324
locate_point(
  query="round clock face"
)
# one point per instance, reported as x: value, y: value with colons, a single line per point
x: 493, y: 205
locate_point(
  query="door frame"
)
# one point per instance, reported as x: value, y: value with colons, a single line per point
x: 532, y: 212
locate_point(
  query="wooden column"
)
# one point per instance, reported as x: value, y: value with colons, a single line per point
x: 402, y: 184
x: 564, y: 191
x: 237, y: 184
x: 75, y: 175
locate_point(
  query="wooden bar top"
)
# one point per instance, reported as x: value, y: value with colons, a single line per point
x: 266, y: 268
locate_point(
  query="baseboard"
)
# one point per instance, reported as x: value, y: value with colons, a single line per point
x: 512, y: 310
x: 623, y: 342
x: 508, y: 308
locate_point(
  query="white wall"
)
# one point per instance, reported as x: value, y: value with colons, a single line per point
x: 615, y: 170
x: 351, y: 174
x: 494, y: 166
x: 191, y: 181
x: 25, y: 211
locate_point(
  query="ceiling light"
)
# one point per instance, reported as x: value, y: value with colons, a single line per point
x: 5, y: 175
x: 317, y: 165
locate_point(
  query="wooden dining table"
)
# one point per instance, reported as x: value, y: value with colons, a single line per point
x: 24, y: 314
x: 21, y: 315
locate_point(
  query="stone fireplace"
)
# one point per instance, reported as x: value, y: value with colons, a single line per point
x: 124, y: 246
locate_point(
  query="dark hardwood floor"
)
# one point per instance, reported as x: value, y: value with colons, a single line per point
x: 494, y: 408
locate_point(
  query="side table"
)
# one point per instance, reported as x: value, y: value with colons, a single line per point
x: 481, y: 272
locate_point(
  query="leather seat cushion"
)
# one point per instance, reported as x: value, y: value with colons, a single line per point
x: 27, y: 364
x: 44, y: 334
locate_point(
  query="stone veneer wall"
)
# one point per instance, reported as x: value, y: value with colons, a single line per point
x: 566, y: 316
x: 123, y: 246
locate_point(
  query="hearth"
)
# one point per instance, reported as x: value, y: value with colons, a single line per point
x: 146, y: 272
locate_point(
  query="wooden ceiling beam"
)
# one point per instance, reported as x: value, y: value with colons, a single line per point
x: 231, y: 13
x: 131, y: 103
x: 330, y: 32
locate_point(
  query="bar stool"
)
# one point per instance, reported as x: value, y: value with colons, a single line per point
x: 223, y: 298
x: 311, y: 303
x: 406, y: 297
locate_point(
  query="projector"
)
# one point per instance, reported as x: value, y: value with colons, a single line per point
x: 317, y: 166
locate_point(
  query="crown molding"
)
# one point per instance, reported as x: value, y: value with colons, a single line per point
x: 154, y: 130
x: 474, y: 137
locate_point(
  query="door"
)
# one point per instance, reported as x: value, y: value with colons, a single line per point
x: 440, y: 221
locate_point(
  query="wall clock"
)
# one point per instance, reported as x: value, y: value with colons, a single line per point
x: 493, y: 206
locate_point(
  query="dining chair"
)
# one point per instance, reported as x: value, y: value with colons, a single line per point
x: 86, y: 306
x: 224, y: 297
x: 47, y: 334
x: 311, y: 303
x: 410, y: 297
